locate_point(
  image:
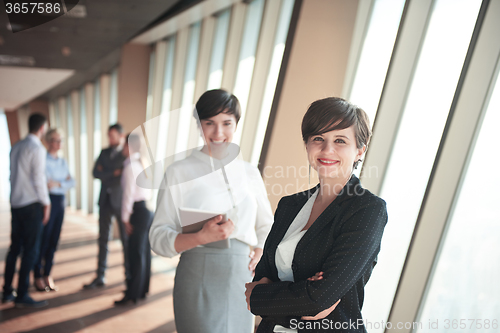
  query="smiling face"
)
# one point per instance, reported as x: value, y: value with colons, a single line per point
x: 54, y: 142
x: 332, y: 154
x: 219, y: 130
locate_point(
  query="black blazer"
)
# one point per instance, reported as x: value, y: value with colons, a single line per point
x: 110, y: 185
x: 343, y: 243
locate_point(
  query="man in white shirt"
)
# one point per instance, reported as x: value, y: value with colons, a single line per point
x: 30, y: 207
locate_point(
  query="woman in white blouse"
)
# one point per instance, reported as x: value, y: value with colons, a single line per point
x: 137, y: 220
x: 209, y: 281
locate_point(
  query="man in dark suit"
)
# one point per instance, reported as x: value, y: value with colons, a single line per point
x: 108, y: 168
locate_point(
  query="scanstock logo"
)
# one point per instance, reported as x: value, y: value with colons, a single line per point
x: 26, y: 14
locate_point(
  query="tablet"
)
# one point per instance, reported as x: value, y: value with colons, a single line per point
x: 192, y: 220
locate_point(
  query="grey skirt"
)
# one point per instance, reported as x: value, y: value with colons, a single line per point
x: 209, y: 290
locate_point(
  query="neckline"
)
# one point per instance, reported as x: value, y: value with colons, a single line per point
x: 232, y: 153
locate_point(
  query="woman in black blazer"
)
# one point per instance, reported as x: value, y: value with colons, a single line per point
x: 333, y: 232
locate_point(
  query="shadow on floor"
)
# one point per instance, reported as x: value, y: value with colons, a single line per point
x: 77, y: 324
x: 55, y: 302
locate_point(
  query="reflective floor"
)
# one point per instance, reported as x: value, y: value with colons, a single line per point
x: 72, y: 309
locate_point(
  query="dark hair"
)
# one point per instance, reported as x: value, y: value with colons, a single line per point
x: 118, y: 127
x: 216, y: 101
x: 134, y: 142
x: 36, y: 121
x: 334, y: 113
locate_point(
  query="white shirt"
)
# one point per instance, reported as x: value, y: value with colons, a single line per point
x: 287, y: 246
x: 191, y: 183
x: 27, y: 173
x: 57, y: 170
x: 131, y: 191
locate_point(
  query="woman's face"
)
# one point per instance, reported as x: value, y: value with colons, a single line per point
x: 218, y: 130
x: 332, y: 154
x: 55, y: 142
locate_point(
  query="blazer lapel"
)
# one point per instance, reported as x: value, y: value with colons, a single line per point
x: 286, y: 219
x: 327, y: 215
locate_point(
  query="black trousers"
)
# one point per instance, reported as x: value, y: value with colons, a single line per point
x: 139, y: 251
x: 50, y: 237
x: 106, y: 212
x: 25, y: 236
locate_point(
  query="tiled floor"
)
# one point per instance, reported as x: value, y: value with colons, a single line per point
x: 72, y: 309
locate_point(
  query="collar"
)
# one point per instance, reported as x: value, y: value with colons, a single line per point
x: 34, y: 138
x: 117, y: 148
x: 49, y: 156
x: 233, y: 152
x: 348, y: 191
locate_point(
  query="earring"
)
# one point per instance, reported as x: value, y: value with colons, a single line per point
x: 356, y: 163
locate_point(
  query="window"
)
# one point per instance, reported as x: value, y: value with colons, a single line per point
x: 113, y: 98
x: 218, y: 50
x: 465, y: 279
x: 246, y: 60
x: 4, y: 157
x: 84, y: 171
x: 424, y: 116
x: 71, y: 149
x: 97, y: 140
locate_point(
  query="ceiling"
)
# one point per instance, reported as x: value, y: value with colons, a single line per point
x: 18, y: 84
x: 73, y: 47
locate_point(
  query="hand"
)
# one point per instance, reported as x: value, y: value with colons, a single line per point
x: 322, y: 314
x: 52, y: 184
x: 255, y: 256
x: 215, y: 230
x: 117, y: 172
x: 46, y: 214
x: 129, y: 229
x: 319, y: 276
x: 251, y: 285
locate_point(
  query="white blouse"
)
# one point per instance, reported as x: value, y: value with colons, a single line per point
x: 131, y: 191
x: 287, y: 246
x: 192, y: 183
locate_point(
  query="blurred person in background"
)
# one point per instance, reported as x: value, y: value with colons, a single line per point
x: 59, y: 181
x: 137, y: 219
x: 30, y: 208
x: 108, y: 168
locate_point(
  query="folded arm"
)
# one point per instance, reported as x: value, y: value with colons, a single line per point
x: 353, y: 253
x: 69, y: 181
x: 100, y: 172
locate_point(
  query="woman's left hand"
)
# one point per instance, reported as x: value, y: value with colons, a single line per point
x: 129, y: 229
x: 251, y: 285
x: 255, y: 256
x: 322, y: 314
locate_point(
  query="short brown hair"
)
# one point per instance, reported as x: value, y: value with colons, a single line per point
x: 334, y: 113
x: 216, y: 101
